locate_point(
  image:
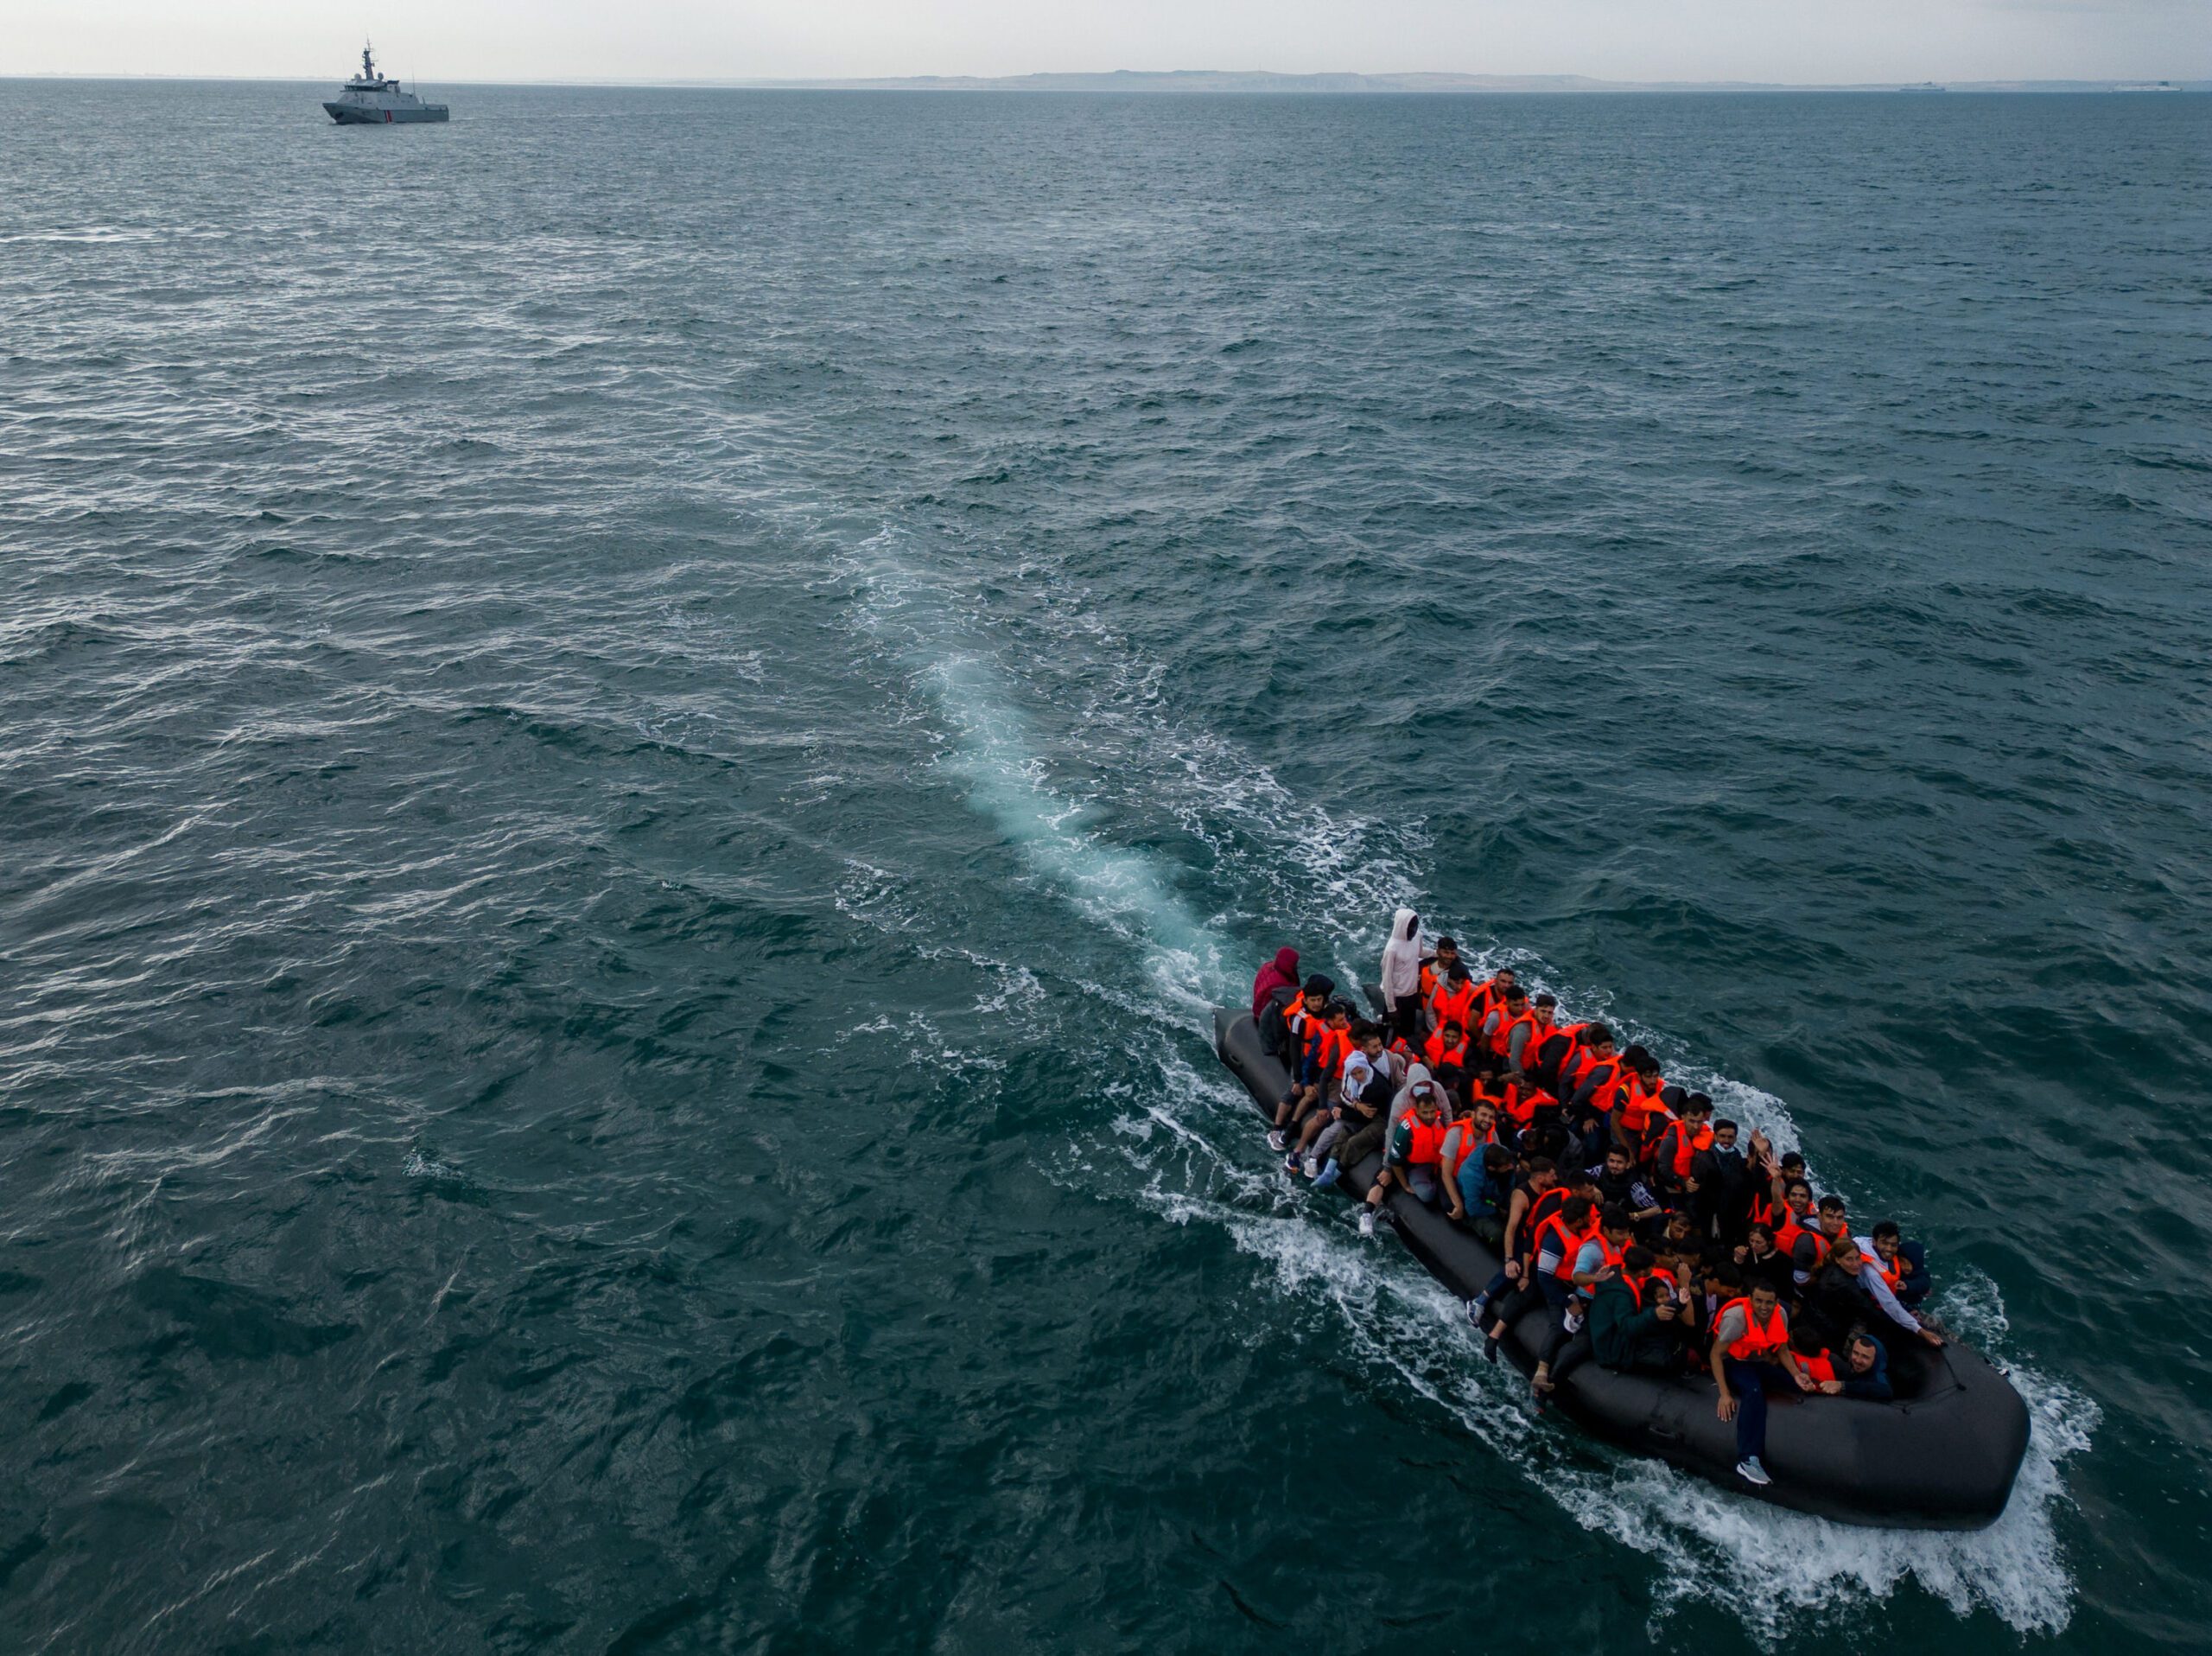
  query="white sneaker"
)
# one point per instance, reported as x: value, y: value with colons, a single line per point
x: 1313, y: 1166
x: 1366, y: 1220
x: 1752, y: 1472
x: 1276, y: 1140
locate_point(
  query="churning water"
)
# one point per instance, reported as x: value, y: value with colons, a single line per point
x: 638, y: 730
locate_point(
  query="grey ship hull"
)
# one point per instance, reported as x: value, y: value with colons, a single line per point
x: 370, y: 115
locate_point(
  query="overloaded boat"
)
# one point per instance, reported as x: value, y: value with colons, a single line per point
x: 1942, y: 1455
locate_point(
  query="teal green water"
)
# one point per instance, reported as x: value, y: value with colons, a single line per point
x: 636, y: 733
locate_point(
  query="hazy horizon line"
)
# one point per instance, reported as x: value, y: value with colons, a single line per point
x: 1412, y: 82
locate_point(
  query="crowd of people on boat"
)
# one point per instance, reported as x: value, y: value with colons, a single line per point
x: 1658, y: 1236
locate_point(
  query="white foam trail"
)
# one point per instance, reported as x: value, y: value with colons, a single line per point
x: 1118, y: 889
x: 1774, y: 1570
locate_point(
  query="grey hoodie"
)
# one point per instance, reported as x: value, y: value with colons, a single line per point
x: 1401, y: 959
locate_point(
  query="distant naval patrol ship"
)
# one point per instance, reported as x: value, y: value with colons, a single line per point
x: 369, y: 99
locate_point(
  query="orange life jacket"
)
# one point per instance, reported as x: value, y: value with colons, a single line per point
x: 1821, y: 1366
x: 1501, y: 1044
x: 1467, y: 1144
x: 1785, y: 1238
x: 1637, y: 1105
x: 1756, y: 1343
x: 1678, y: 1145
x: 1574, y: 1069
x: 1823, y: 1242
x: 1891, y: 1274
x: 1515, y: 1103
x: 1488, y: 997
x: 1336, y: 1045
x: 1304, y: 1025
x: 1425, y: 1140
x: 1570, y: 1243
x: 1436, y: 1055
x: 1608, y: 1092
x: 1572, y: 1031
x: 1542, y: 1207
x: 1611, y: 1257
x: 1447, y: 1005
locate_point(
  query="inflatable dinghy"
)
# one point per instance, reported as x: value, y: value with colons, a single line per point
x: 1942, y: 1456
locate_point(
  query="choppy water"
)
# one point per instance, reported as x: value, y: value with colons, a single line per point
x: 634, y: 734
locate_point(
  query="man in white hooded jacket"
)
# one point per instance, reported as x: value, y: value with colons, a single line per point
x: 1402, y: 976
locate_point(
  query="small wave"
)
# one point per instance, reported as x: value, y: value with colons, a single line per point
x: 419, y: 1166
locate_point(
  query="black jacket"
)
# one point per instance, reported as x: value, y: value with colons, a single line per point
x: 1775, y: 1270
x: 1726, y: 1184
x: 1835, y: 1303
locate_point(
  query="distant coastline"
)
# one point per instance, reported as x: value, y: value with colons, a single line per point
x: 1221, y: 82
x: 1260, y: 81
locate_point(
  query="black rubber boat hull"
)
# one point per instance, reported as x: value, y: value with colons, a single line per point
x: 1944, y: 1459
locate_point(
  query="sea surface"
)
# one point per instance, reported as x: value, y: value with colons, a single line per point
x: 636, y: 734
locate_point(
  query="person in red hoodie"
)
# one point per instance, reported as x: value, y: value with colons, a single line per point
x: 1281, y: 972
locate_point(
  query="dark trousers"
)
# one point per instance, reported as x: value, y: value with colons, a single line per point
x: 1558, y: 1295
x: 1361, y: 1141
x: 1511, y: 1310
x: 1749, y: 1381
x: 1572, y: 1355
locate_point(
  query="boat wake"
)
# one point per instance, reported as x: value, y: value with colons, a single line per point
x: 1182, y: 1145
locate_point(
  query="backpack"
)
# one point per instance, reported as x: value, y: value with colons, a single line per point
x: 1274, y: 1031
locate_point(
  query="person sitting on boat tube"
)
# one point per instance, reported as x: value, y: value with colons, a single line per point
x: 1281, y: 972
x: 1413, y: 1156
x: 1596, y: 1260
x: 1751, y: 1356
x: 1536, y: 1176
x: 1847, y: 1291
x: 1321, y: 1032
x: 1364, y: 1084
x: 1465, y: 1141
x: 1364, y: 1134
x: 1864, y: 1372
x: 1903, y: 1264
x: 1638, y: 1319
x: 1559, y: 1239
x: 1483, y: 1187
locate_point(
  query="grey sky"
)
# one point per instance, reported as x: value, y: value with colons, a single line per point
x: 1818, y: 41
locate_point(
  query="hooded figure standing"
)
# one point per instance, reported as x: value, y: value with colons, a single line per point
x: 1401, y: 975
x: 1281, y: 972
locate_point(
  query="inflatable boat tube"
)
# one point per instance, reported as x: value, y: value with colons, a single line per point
x: 1942, y: 1456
